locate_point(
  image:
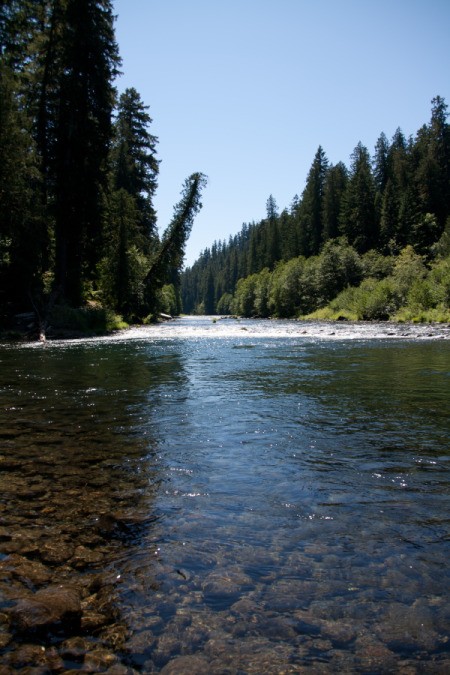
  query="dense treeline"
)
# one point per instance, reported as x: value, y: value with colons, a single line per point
x: 78, y: 173
x: 378, y: 231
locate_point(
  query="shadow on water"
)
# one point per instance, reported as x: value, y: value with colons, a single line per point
x: 79, y: 474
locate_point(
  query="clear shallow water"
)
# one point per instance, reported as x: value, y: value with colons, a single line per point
x: 229, y: 497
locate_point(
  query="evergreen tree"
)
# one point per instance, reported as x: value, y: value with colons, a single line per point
x: 22, y: 22
x: 22, y: 232
x: 81, y: 138
x: 434, y: 169
x: 253, y: 258
x: 311, y: 206
x: 399, y: 161
x: 399, y: 196
x: 409, y: 214
x: 123, y: 269
x: 381, y: 163
x: 333, y: 191
x: 209, y: 293
x: 358, y: 218
x: 271, y: 239
x: 134, y: 164
x: 168, y: 260
x: 389, y: 219
x: 288, y: 236
x: 130, y: 222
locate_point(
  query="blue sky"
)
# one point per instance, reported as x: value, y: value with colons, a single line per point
x: 246, y: 90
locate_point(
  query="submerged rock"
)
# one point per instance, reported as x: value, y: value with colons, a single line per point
x: 186, y: 665
x: 47, y: 607
x: 29, y: 572
x: 74, y: 648
x: 84, y: 556
x: 56, y: 551
x: 339, y: 632
x: 27, y: 655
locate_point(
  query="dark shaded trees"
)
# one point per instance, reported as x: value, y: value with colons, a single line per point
x: 82, y: 134
x: 65, y: 59
x: 24, y: 233
x: 77, y: 222
x: 272, y: 238
x: 311, y: 209
x: 167, y: 262
x: 130, y: 234
x: 124, y: 266
x: 433, y: 163
x: 334, y: 188
x: 23, y: 239
x: 358, y: 216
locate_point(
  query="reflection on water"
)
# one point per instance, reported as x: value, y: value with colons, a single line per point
x: 228, y: 502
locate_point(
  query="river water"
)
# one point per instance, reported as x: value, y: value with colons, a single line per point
x: 227, y: 497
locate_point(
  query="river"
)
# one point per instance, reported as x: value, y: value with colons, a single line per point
x: 225, y: 496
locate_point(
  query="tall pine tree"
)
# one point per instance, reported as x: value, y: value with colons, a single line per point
x: 133, y: 158
x: 358, y: 216
x: 310, y: 212
x: 82, y: 134
x: 333, y: 191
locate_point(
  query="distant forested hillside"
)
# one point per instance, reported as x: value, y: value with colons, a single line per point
x: 78, y: 174
x: 368, y: 241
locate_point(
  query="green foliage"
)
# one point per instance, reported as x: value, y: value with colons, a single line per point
x: 244, y: 298
x: 439, y: 277
x: 285, y: 289
x: 340, y: 284
x: 338, y: 266
x: 376, y: 300
x: 168, y: 302
x: 373, y: 300
x: 408, y: 268
x: 412, y: 292
x: 376, y: 265
x: 262, y: 288
x: 225, y: 304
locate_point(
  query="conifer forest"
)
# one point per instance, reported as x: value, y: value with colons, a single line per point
x: 80, y: 246
x: 370, y: 241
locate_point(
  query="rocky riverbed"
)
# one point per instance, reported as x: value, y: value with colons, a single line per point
x: 73, y: 601
x: 60, y: 535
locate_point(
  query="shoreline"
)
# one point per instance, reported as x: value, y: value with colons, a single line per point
x: 389, y: 329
